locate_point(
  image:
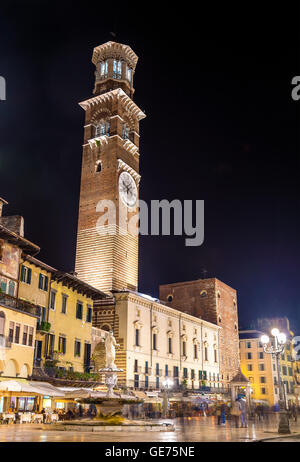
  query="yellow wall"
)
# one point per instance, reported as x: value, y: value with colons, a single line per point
x: 255, y: 374
x: 17, y: 360
x: 61, y: 324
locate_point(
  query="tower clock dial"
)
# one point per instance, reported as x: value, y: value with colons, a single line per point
x: 127, y: 189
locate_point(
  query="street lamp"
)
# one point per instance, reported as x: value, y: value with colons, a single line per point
x: 167, y: 384
x: 276, y: 350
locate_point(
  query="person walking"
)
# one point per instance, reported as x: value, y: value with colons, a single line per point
x: 236, y: 412
x: 223, y: 413
x: 243, y: 407
x: 218, y: 412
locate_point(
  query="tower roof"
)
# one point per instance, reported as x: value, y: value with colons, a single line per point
x: 239, y: 378
x: 114, y: 50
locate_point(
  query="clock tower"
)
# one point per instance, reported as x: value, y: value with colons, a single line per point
x: 108, y: 258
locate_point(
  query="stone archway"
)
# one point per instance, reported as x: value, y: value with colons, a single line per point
x: 25, y: 371
x: 11, y: 369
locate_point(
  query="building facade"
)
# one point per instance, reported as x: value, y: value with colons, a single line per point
x: 158, y: 342
x: 216, y: 302
x: 18, y: 319
x: 259, y: 368
x: 64, y: 329
x: 110, y: 172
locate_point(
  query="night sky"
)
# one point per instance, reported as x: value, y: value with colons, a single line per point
x: 221, y: 126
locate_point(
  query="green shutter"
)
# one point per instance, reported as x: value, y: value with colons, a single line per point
x: 29, y: 276
x: 46, y: 284
x: 23, y: 273
x: 40, y: 281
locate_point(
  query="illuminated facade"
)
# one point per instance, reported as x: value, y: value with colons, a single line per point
x: 110, y: 172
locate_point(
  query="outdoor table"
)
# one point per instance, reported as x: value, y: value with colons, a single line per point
x: 7, y: 417
x: 37, y: 418
x: 25, y: 417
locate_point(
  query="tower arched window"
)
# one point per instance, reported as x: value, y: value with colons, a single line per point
x: 102, y: 129
x: 125, y: 132
x: 98, y: 167
x: 117, y: 69
x: 128, y: 73
x: 104, y: 69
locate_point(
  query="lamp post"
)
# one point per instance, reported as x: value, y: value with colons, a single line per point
x: 276, y: 350
x: 167, y: 384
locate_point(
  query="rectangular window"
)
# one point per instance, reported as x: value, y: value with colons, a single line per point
x: 128, y: 74
x: 157, y: 368
x: 261, y: 367
x: 17, y: 333
x: 62, y: 344
x: 11, y: 331
x: 249, y: 355
x: 137, y: 337
x: 26, y: 274
x: 166, y: 370
x: 25, y: 335
x: 30, y: 338
x: 64, y: 300
x: 136, y: 381
x: 89, y: 313
x: 146, y: 381
x: 154, y: 342
x: 260, y: 355
x: 175, y: 371
x: 169, y: 345
x: 185, y: 372
x: 135, y: 365
x: 204, y: 375
x: 184, y: 348
x: 205, y: 354
x: 248, y: 344
x: 157, y: 382
x: 216, y: 356
x: 195, y: 351
x: 43, y: 282
x: 52, y: 299
x: 146, y: 367
x: 284, y: 370
x: 192, y: 374
x: 263, y: 391
x: 200, y: 375
x: 249, y: 367
x: 262, y: 379
x: 79, y: 310
x: 77, y: 348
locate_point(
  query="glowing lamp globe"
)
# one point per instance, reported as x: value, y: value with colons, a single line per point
x: 264, y: 339
x: 275, y: 332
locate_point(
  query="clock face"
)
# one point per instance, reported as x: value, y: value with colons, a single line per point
x: 127, y: 189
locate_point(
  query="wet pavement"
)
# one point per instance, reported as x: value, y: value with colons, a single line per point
x: 196, y: 429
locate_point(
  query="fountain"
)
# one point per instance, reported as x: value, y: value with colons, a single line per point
x: 110, y: 370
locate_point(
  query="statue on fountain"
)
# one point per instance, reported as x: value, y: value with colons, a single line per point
x: 110, y: 350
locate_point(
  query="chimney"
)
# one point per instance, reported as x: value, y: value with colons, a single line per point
x: 2, y: 202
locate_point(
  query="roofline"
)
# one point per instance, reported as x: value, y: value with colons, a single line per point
x: 19, y: 241
x: 173, y: 284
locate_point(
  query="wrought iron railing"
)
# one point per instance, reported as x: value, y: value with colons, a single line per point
x: 20, y: 305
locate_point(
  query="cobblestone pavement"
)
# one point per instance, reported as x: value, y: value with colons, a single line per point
x: 202, y: 429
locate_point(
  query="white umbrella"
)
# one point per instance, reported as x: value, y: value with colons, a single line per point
x: 47, y: 389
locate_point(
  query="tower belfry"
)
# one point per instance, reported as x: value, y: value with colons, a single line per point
x: 110, y: 171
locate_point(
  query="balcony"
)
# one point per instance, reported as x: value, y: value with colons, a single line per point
x: 43, y: 327
x: 5, y: 342
x: 20, y: 305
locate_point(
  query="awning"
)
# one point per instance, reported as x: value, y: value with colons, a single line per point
x: 14, y: 385
x: 83, y: 393
x: 47, y: 389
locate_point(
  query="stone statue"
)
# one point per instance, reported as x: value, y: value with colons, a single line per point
x: 110, y: 350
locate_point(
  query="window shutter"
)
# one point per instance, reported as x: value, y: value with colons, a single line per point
x: 29, y: 276
x: 22, y: 273
x: 40, y: 281
x: 46, y: 283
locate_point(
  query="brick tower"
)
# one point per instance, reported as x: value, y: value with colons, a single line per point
x: 216, y: 302
x: 110, y: 172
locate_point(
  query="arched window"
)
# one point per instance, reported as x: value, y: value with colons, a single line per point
x: 125, y: 132
x: 102, y: 128
x: 117, y: 69
x: 104, y: 69
x: 98, y: 167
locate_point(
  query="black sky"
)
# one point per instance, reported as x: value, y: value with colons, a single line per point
x: 221, y: 126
